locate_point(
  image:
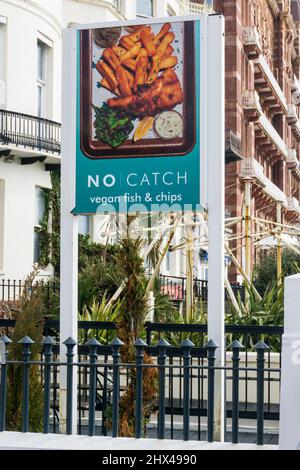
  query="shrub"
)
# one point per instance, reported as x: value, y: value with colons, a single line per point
x: 30, y: 322
x: 266, y: 270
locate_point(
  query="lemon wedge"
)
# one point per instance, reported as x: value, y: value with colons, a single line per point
x: 143, y: 127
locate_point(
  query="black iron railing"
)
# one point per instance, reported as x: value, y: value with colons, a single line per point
x: 163, y: 362
x: 29, y: 131
x: 175, y: 288
x: 175, y: 334
x: 11, y: 290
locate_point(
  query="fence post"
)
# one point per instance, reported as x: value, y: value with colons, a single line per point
x: 48, y: 343
x: 26, y: 343
x: 148, y: 332
x: 140, y: 346
x: 116, y: 346
x: 236, y: 346
x: 260, y: 348
x: 211, y: 347
x: 186, y: 346
x: 70, y: 343
x: 93, y: 345
x: 162, y: 346
x: 5, y: 341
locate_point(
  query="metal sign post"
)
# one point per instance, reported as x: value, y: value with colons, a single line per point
x: 69, y: 226
x: 216, y: 209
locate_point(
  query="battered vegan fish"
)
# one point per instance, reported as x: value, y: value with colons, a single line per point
x: 162, y: 94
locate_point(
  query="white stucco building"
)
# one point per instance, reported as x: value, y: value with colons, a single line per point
x: 30, y: 100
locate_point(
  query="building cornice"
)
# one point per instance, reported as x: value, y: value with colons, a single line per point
x: 38, y: 10
x: 104, y: 4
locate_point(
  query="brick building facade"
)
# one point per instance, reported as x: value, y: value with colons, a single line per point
x: 262, y: 114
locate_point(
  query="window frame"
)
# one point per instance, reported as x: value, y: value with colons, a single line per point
x: 42, y: 80
x: 3, y: 60
x: 143, y: 15
x: 37, y: 223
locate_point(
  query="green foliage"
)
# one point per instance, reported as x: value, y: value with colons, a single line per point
x: 134, y: 304
x: 99, y: 311
x: 164, y: 309
x: 98, y: 272
x: 50, y: 239
x: 130, y: 327
x: 90, y: 252
x: 43, y: 230
x: 269, y: 311
x: 30, y: 322
x: 266, y: 270
x: 52, y: 299
x: 55, y: 222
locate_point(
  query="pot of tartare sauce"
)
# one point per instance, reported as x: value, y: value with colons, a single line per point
x: 168, y: 125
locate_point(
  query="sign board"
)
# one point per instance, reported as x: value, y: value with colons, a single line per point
x: 167, y: 164
x: 139, y: 106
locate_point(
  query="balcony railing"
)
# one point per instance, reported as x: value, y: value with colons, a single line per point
x: 251, y: 42
x: 193, y: 8
x: 293, y: 204
x: 250, y: 100
x: 31, y: 132
x: 295, y: 84
x: 292, y: 157
x: 293, y: 121
x: 251, y: 168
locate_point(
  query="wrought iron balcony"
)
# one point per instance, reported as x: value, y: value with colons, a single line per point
x: 37, y: 135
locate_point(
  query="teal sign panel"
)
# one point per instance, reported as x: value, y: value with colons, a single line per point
x: 138, y: 118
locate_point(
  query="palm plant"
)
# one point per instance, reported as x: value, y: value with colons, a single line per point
x: 98, y: 311
x: 131, y: 323
x: 269, y: 311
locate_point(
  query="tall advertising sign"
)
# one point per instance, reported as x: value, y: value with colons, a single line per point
x: 143, y: 131
x: 138, y: 117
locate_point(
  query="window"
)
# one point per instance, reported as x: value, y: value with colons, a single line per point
x: 42, y: 52
x: 83, y: 225
x: 39, y: 206
x: 144, y: 7
x: 117, y: 4
x: 2, y: 60
x: 39, y: 214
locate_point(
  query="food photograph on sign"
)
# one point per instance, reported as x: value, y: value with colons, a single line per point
x: 138, y: 91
